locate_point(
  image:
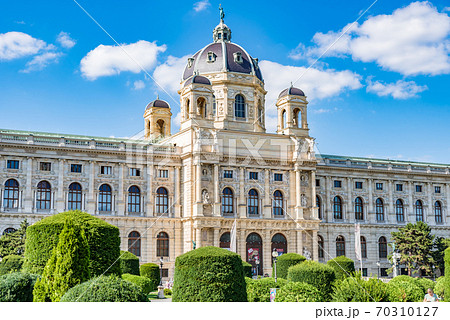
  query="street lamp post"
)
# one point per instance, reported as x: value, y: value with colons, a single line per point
x: 275, y: 256
x: 160, y: 287
x: 257, y: 268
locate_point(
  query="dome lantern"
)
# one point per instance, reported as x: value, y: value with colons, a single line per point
x: 222, y: 33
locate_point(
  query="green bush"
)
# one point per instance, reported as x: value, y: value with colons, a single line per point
x: 247, y: 269
x: 167, y: 292
x: 11, y: 263
x: 209, y: 274
x: 151, y: 271
x: 316, y: 274
x: 142, y: 282
x: 356, y: 289
x: 129, y: 263
x: 447, y: 275
x: 439, y: 288
x: 285, y: 261
x: 298, y: 292
x: 422, y: 283
x: 343, y: 266
x: 404, y: 291
x: 105, y: 289
x: 425, y: 283
x: 259, y: 290
x: 67, y: 267
x: 17, y: 287
x: 102, y: 237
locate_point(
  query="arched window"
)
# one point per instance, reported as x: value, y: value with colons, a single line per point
x: 382, y: 248
x: 337, y: 208
x: 319, y: 206
x: 214, y: 106
x: 279, y: 243
x: 225, y: 240
x: 134, y: 199
x: 201, y: 107
x: 134, y: 243
x: 75, y: 197
x: 188, y: 102
x: 253, y: 203
x: 239, y: 106
x: 11, y: 195
x: 321, y: 246
x: 340, y: 246
x: 162, y: 201
x: 43, y: 195
x: 160, y: 125
x: 277, y: 205
x: 359, y: 213
x: 105, y: 198
x: 227, y: 202
x: 399, y: 210
x: 438, y: 212
x: 363, y: 247
x: 379, y: 209
x: 419, y: 210
x: 283, y: 119
x: 296, y: 118
x: 254, y: 249
x: 162, y: 245
x: 8, y: 230
x: 260, y: 113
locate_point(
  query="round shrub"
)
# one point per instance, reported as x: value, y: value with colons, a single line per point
x: 404, y: 292
x: 259, y: 290
x: 298, y: 292
x: 129, y: 263
x: 151, y: 271
x: 105, y: 289
x: 142, y: 282
x: 356, y: 289
x: 167, y: 292
x: 17, y: 287
x: 102, y: 237
x: 425, y: 283
x: 314, y: 273
x: 11, y: 263
x: 439, y: 288
x: 343, y: 266
x: 247, y: 269
x: 285, y: 261
x: 209, y: 274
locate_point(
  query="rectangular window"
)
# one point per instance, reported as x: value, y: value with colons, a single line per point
x: 228, y: 174
x: 379, y: 186
x: 45, y: 166
x: 398, y: 187
x: 163, y: 173
x: 317, y: 182
x: 12, y: 164
x: 383, y: 272
x: 253, y: 175
x: 278, y: 177
x: 437, y: 189
x: 134, y: 172
x: 418, y: 188
x: 105, y: 170
x: 337, y: 183
x: 75, y: 168
x: 364, y: 272
x: 358, y: 185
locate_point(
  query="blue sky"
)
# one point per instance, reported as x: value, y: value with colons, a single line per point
x: 380, y: 91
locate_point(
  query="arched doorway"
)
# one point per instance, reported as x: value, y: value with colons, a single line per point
x: 225, y: 241
x: 279, y: 243
x: 255, y: 252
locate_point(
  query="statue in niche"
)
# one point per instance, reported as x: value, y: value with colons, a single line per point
x: 205, y: 197
x: 306, y: 253
x: 304, y: 201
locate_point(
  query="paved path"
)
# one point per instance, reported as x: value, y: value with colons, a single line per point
x: 162, y: 300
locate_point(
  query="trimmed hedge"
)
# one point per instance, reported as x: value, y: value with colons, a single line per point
x: 11, y: 263
x: 356, y: 289
x: 298, y: 292
x: 343, y: 266
x: 259, y: 290
x: 209, y: 274
x: 447, y: 274
x: 151, y: 271
x: 314, y: 273
x: 102, y: 237
x: 284, y: 262
x: 129, y: 263
x: 439, y: 288
x: 425, y: 283
x: 17, y: 287
x: 144, y: 283
x: 105, y: 289
x: 404, y: 291
x: 247, y: 269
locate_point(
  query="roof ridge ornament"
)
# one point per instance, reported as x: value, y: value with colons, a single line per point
x: 222, y: 13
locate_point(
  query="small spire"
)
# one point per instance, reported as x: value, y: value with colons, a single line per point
x: 157, y: 96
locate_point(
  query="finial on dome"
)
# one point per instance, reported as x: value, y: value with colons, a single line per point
x: 221, y: 32
x: 157, y: 96
x: 222, y: 14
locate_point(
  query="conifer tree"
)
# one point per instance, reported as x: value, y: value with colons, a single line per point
x: 14, y: 243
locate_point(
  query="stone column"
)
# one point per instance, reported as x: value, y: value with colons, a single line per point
x: 428, y: 216
x: 241, y: 204
x: 28, y: 203
x: 121, y: 201
x: 315, y: 246
x: 198, y: 237
x: 267, y: 252
x: 313, y: 196
x: 409, y: 216
x: 60, y: 205
x: 370, y: 209
x: 149, y: 176
x: 177, y: 197
x: 349, y: 214
x: 298, y: 193
x: 241, y: 243
x: 300, y: 241
x: 92, y: 203
x: 216, y: 191
x: 178, y: 240
x: 216, y: 239
x: 327, y: 213
x: 198, y: 183
x: 391, y: 213
x: 267, y: 196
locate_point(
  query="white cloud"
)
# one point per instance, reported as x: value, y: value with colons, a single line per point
x: 65, y: 40
x: 317, y: 84
x: 412, y: 40
x: 398, y: 90
x: 138, y: 85
x: 169, y: 74
x: 14, y: 45
x: 201, y: 5
x: 41, y: 61
x: 112, y: 60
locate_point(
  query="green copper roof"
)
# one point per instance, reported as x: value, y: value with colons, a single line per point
x: 401, y: 162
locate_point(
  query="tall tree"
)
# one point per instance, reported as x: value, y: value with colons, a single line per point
x: 440, y: 244
x: 14, y: 242
x: 414, y: 242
